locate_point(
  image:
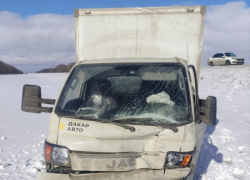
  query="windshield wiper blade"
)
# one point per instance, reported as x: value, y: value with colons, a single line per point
x: 132, y: 129
x: 175, y: 129
x: 89, y: 117
x: 149, y: 121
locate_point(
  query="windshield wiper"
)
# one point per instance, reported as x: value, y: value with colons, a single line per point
x: 79, y: 116
x: 148, y: 121
x: 132, y: 129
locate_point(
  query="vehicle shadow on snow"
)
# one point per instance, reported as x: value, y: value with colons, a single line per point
x: 208, y: 153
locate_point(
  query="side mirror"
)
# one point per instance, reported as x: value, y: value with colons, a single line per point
x: 223, y: 56
x: 208, y: 110
x: 31, y: 100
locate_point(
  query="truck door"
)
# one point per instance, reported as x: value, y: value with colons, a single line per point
x: 200, y: 126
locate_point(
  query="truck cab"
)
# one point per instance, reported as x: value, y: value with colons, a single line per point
x: 121, y: 115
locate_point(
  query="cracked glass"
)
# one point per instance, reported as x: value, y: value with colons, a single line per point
x: 155, y: 93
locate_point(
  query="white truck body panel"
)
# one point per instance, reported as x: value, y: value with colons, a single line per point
x: 140, y: 32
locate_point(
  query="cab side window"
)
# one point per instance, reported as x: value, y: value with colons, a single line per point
x: 216, y: 55
x: 220, y: 54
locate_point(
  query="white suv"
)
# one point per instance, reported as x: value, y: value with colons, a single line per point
x: 225, y: 59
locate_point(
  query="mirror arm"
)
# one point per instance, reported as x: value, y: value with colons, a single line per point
x: 41, y: 109
x: 45, y: 109
x: 41, y: 100
x: 205, y: 120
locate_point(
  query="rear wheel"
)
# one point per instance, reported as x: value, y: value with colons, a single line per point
x: 211, y: 64
x: 227, y: 63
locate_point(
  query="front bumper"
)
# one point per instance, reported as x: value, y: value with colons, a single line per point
x: 142, y: 174
x: 238, y: 62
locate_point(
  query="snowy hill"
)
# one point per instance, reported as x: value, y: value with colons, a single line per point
x: 8, y: 69
x: 226, y: 147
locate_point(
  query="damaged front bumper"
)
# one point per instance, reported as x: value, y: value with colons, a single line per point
x: 142, y: 174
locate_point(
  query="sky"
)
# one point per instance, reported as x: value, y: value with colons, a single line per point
x: 36, y: 34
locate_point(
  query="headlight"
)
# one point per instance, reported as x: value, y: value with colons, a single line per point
x: 234, y: 58
x: 58, y: 155
x: 178, y: 159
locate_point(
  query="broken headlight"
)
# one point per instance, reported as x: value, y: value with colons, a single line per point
x: 178, y: 159
x: 55, y: 154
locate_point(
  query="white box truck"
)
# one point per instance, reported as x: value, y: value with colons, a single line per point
x: 129, y: 108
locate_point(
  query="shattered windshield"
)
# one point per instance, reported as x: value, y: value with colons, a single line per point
x: 123, y: 92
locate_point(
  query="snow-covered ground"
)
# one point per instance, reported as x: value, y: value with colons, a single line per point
x: 226, y: 147
x: 23, y: 134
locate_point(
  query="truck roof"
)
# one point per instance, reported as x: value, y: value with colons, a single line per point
x: 140, y: 10
x: 135, y: 60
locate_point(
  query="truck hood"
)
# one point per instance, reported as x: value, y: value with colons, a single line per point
x: 91, y: 136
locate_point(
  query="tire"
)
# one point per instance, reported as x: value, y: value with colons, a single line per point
x: 211, y: 64
x: 227, y: 63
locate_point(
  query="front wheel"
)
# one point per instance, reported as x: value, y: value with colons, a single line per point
x: 211, y: 64
x: 227, y: 63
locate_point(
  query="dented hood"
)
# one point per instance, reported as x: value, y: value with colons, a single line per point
x: 91, y: 136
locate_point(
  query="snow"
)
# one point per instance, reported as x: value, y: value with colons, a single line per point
x: 226, y: 147
x: 238, y: 173
x: 23, y: 134
x: 230, y: 138
x: 241, y: 148
x: 227, y: 160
